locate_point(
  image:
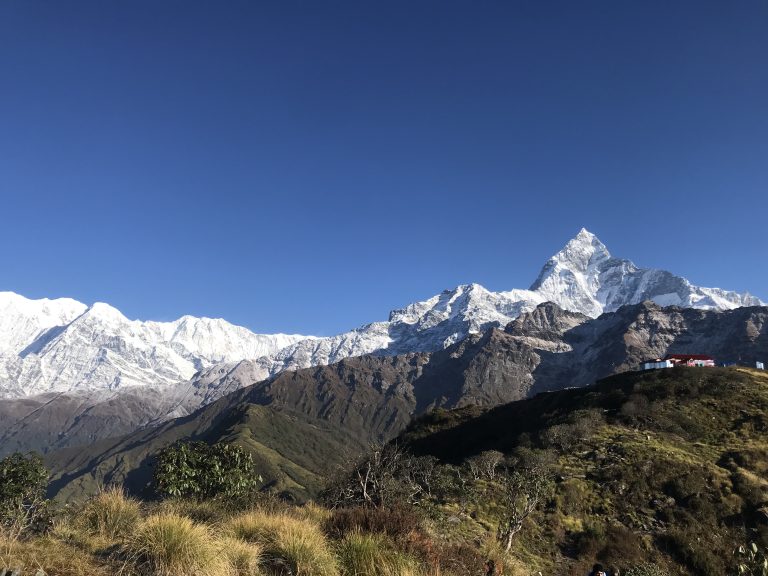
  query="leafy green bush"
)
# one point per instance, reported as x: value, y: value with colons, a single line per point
x: 200, y: 470
x: 23, y: 507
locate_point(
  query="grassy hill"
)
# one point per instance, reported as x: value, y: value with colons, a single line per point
x: 294, y: 453
x: 669, y: 467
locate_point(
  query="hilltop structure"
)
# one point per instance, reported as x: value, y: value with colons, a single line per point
x: 672, y: 360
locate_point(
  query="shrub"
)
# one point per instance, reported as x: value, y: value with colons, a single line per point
x: 395, y: 522
x: 647, y: 570
x: 462, y: 558
x: 111, y: 514
x: 591, y: 540
x: 688, y: 549
x: 751, y: 560
x: 170, y: 545
x: 485, y: 465
x: 23, y: 507
x: 298, y: 545
x: 199, y: 470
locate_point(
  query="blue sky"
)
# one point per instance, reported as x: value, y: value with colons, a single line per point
x: 307, y: 166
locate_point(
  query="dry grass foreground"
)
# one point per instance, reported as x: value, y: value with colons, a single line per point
x: 114, y: 534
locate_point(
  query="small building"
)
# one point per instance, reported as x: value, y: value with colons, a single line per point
x: 690, y: 360
x: 656, y: 364
x: 759, y: 366
x: 672, y: 360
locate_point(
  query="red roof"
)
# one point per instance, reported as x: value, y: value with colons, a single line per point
x: 688, y: 357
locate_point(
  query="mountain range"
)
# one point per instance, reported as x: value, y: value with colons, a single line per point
x: 74, y: 376
x: 342, y: 408
x: 63, y: 346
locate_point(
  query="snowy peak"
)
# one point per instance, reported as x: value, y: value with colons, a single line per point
x: 22, y: 321
x: 584, y: 252
x: 64, y: 345
x: 571, y: 278
x: 584, y: 277
x: 583, y: 255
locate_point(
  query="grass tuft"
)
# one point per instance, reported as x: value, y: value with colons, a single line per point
x: 111, y: 514
x: 52, y: 556
x: 287, y: 541
x: 371, y: 555
x: 171, y: 545
x: 244, y: 557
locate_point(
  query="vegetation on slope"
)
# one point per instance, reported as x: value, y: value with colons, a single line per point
x: 292, y: 453
x: 666, y: 467
x: 659, y: 473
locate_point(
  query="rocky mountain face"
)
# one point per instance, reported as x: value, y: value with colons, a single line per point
x: 572, y: 350
x: 374, y: 397
x: 53, y: 346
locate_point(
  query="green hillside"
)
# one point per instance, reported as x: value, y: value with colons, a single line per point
x: 294, y: 453
x: 668, y: 467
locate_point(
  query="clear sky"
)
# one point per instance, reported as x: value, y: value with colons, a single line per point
x: 307, y: 166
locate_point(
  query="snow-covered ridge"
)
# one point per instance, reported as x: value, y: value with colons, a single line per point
x: 583, y: 277
x: 63, y: 345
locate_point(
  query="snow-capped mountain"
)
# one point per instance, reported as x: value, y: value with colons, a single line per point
x: 62, y: 345
x: 22, y: 321
x: 583, y: 277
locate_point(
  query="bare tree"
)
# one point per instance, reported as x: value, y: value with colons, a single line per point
x: 373, y: 481
x: 523, y: 491
x: 419, y: 474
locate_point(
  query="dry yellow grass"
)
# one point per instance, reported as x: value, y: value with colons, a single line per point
x: 244, y: 557
x: 171, y: 545
x: 53, y: 556
x: 286, y: 540
x: 111, y: 514
x: 205, y: 512
x: 371, y: 555
x: 312, y: 512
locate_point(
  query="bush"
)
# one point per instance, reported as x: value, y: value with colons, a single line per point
x: 111, y: 514
x: 688, y: 549
x: 396, y: 522
x: 170, y: 545
x: 287, y: 542
x: 647, y: 570
x: 461, y: 558
x: 23, y: 507
x: 199, y: 470
x: 751, y: 560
